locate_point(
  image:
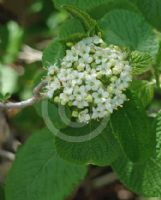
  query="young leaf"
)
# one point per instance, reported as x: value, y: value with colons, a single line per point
x: 39, y: 173
x: 125, y: 28
x: 98, y: 150
x: 143, y: 178
x: 143, y: 91
x: 90, y: 25
x: 131, y: 128
x: 140, y: 62
x: 53, y: 53
x: 71, y: 30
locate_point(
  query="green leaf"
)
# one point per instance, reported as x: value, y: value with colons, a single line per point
x: 23, y: 120
x: 143, y: 91
x: 140, y: 62
x: 90, y: 144
x: 71, y: 30
x: 143, y: 178
x: 152, y: 11
x: 125, y: 28
x: 13, y: 41
x: 90, y: 25
x: 96, y: 8
x: 53, y: 53
x: 39, y: 173
x: 8, y: 80
x: 100, y: 10
x: 131, y: 128
x: 84, y: 5
x: 47, y: 109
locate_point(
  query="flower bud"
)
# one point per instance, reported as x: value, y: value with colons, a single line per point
x: 89, y: 98
x: 69, y: 44
x: 56, y: 99
x: 99, y: 75
x: 75, y: 114
x: 80, y: 68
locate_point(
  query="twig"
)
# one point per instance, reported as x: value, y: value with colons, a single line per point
x: 30, y: 55
x: 6, y: 154
x: 35, y: 98
x: 104, y: 180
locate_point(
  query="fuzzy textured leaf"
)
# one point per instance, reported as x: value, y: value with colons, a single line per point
x: 84, y: 5
x: 39, y: 173
x: 53, y: 53
x: 125, y: 28
x: 71, y: 30
x: 99, y: 150
x: 131, y: 128
x: 143, y: 178
x: 97, y: 8
x: 152, y: 11
x: 143, y: 91
x: 100, y: 10
x: 48, y: 109
x: 140, y: 62
x: 90, y: 25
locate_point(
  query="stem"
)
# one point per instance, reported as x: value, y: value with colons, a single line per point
x: 6, y: 154
x: 22, y: 104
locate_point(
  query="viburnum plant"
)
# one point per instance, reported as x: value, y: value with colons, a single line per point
x: 103, y: 68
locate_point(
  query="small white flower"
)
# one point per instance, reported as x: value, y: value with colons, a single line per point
x: 91, y: 79
x: 50, y: 92
x: 84, y: 116
x: 68, y: 91
x: 52, y: 70
x: 97, y: 40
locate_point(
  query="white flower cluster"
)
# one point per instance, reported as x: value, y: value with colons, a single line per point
x: 91, y: 79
